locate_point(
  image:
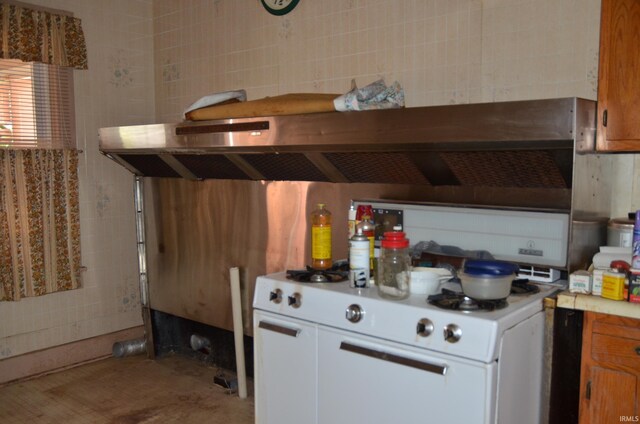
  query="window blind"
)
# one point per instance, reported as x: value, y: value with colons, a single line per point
x: 36, y: 106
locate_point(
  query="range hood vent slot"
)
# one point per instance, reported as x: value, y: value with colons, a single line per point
x: 222, y: 128
x: 537, y: 169
x: 150, y: 165
x: 375, y: 167
x: 212, y: 166
x: 285, y: 167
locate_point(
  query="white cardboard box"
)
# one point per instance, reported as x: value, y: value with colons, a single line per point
x: 580, y: 282
x: 596, y: 281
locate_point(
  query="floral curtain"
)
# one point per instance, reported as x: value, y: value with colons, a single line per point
x: 34, y: 35
x: 39, y: 223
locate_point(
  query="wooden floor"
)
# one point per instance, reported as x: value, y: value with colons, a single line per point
x: 126, y: 390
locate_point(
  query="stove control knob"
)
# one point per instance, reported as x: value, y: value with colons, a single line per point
x: 295, y: 300
x: 424, y: 327
x: 354, y: 313
x: 452, y: 333
x: 276, y: 296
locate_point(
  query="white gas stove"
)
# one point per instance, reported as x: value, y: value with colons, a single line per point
x: 363, y: 311
x: 328, y: 353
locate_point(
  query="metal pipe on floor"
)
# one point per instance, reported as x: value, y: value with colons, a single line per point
x: 238, y: 333
x: 129, y: 348
x: 200, y: 343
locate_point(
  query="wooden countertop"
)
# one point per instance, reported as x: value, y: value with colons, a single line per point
x: 587, y: 302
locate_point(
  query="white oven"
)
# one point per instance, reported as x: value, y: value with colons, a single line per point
x: 330, y: 354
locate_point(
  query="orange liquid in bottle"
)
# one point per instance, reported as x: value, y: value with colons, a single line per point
x: 321, y: 238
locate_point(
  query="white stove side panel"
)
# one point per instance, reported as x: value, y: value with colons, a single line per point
x: 521, y: 362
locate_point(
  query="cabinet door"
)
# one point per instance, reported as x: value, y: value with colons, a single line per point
x: 284, y: 370
x: 610, y: 370
x: 619, y: 79
x: 611, y: 395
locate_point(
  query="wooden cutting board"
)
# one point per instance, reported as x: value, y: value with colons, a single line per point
x: 286, y: 104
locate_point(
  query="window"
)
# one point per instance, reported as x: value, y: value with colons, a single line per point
x: 39, y: 206
x: 36, y: 106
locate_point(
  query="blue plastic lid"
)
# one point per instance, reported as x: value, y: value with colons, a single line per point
x: 489, y: 268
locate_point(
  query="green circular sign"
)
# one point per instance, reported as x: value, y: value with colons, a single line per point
x: 279, y: 7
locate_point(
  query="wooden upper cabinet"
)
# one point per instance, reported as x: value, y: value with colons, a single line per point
x: 619, y: 77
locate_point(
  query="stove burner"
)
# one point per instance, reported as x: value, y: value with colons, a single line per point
x: 318, y: 277
x: 452, y: 300
x: 468, y: 304
x: 449, y: 299
x: 335, y: 274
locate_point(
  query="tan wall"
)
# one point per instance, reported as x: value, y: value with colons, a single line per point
x: 444, y: 51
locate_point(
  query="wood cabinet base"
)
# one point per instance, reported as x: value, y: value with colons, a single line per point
x: 610, y: 370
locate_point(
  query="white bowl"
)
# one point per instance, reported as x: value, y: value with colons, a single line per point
x: 427, y: 280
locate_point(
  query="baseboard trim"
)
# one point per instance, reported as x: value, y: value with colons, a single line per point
x: 69, y: 355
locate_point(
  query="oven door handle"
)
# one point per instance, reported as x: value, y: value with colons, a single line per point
x: 292, y: 332
x: 396, y: 359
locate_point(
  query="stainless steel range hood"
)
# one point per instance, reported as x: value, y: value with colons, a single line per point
x: 524, y: 145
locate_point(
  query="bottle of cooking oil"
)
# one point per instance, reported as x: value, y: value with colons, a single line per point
x: 321, y: 237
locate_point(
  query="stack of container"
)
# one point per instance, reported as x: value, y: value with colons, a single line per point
x: 616, y: 269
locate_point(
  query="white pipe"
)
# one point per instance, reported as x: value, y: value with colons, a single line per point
x: 238, y: 332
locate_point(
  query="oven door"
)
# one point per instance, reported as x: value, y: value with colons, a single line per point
x: 367, y: 380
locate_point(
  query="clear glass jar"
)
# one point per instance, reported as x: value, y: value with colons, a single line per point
x: 394, y: 266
